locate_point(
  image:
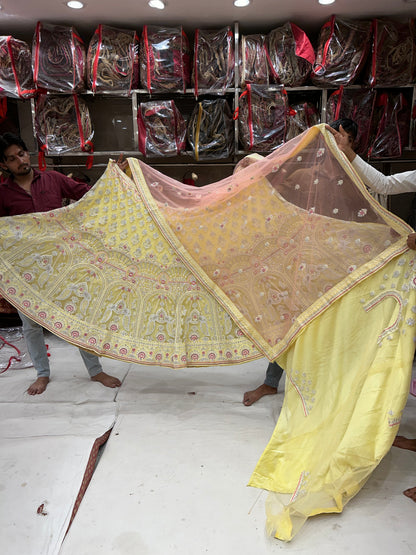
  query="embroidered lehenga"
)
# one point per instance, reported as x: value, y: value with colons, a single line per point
x: 289, y: 258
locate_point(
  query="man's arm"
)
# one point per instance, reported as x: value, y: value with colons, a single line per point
x: 404, y: 182
x: 70, y: 188
x: 74, y: 190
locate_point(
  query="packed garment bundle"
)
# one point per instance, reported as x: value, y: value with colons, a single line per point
x: 342, y: 51
x: 162, y: 129
x: 262, y: 118
x: 112, y: 60
x: 213, y: 63
x: 62, y: 124
x: 16, y: 75
x: 210, y: 130
x: 253, y: 63
x: 393, y: 54
x: 291, y: 55
x: 58, y: 58
x: 301, y: 116
x: 164, y: 59
x: 390, y: 130
x: 358, y: 105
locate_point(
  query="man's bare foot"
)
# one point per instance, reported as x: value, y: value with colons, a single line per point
x: 411, y: 492
x: 251, y: 397
x: 107, y: 380
x: 38, y: 386
x: 404, y: 443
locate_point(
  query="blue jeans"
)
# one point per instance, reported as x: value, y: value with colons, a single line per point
x: 273, y: 374
x: 33, y: 333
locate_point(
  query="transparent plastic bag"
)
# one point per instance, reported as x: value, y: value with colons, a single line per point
x: 262, y: 118
x: 391, y: 130
x: 392, y: 61
x: 210, y: 130
x: 58, y: 58
x: 162, y: 129
x: 253, y: 64
x: 301, y: 116
x: 164, y: 59
x: 13, y: 350
x: 112, y: 60
x: 63, y: 124
x: 342, y: 51
x: 16, y: 75
x: 358, y: 105
x: 213, y: 66
x: 291, y: 55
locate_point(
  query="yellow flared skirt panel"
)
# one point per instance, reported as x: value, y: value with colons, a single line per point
x: 100, y: 274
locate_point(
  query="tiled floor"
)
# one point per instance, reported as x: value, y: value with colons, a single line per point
x: 172, y: 476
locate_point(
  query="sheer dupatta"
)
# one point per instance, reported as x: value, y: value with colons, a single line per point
x: 279, y: 240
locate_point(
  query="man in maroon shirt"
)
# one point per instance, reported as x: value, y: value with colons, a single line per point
x: 27, y: 190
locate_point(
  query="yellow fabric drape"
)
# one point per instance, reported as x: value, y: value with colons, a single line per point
x: 348, y: 377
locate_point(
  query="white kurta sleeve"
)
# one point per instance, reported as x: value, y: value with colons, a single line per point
x: 404, y: 182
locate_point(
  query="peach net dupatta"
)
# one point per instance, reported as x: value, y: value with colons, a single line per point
x: 279, y: 240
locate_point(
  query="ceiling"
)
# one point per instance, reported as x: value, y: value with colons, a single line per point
x: 19, y: 17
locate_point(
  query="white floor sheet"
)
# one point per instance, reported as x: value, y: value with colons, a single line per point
x: 45, y: 444
x: 172, y: 477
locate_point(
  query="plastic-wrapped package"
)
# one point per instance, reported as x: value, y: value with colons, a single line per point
x: 358, y: 105
x: 262, y: 118
x: 58, y: 59
x: 253, y: 64
x: 162, y: 129
x: 291, y: 55
x: 112, y: 60
x: 210, y: 130
x: 16, y: 75
x: 342, y: 51
x: 391, y: 129
x: 164, y: 59
x: 13, y: 350
x: 301, y: 116
x: 62, y: 124
x: 213, y: 65
x: 392, y: 61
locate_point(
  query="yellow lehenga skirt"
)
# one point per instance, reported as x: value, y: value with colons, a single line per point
x: 289, y: 258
